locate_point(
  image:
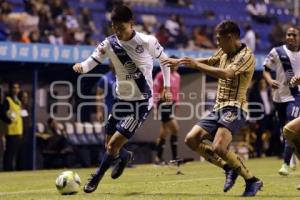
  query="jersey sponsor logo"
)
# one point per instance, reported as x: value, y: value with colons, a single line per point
x: 130, y: 66
x: 133, y: 76
x: 139, y: 49
x: 132, y: 70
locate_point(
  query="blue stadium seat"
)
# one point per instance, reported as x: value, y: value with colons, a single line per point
x: 99, y: 132
x: 79, y: 131
x: 70, y: 134
x: 89, y: 132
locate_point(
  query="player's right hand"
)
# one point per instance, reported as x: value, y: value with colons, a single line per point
x: 295, y: 81
x: 170, y: 62
x: 78, y: 68
x: 274, y: 84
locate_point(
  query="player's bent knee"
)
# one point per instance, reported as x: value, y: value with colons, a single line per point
x: 288, y: 133
x: 111, y: 149
x: 190, y: 142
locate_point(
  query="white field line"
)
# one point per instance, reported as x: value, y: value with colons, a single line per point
x: 170, y: 181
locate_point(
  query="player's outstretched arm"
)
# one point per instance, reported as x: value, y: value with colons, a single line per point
x: 210, y: 70
x: 170, y: 62
x: 85, y: 66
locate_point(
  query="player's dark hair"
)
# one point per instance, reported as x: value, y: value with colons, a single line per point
x: 121, y: 14
x: 228, y: 27
x: 294, y: 27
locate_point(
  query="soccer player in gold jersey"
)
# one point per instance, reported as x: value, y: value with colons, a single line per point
x: 233, y: 64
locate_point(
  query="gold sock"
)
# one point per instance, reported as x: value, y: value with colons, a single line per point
x: 205, y: 150
x: 235, y: 162
x: 293, y: 139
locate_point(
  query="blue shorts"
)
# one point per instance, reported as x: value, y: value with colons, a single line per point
x: 127, y: 116
x: 166, y: 111
x: 230, y: 117
x: 293, y: 109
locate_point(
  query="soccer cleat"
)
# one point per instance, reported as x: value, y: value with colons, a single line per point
x: 231, y: 177
x: 252, y: 187
x: 120, y: 166
x: 298, y: 187
x: 92, y: 183
x: 284, y: 170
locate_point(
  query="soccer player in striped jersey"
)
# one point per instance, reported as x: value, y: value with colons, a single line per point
x: 132, y: 55
x: 285, y: 61
x: 291, y: 131
x: 233, y: 64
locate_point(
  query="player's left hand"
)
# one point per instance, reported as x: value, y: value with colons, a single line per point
x: 167, y: 95
x: 189, y: 62
x: 295, y: 81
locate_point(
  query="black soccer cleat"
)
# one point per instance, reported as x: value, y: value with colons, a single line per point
x: 92, y: 183
x: 120, y: 166
x: 230, y: 179
x: 252, y: 187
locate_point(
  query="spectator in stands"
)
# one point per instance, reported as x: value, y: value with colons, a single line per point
x: 69, y: 18
x: 19, y: 37
x: 257, y: 9
x: 182, y: 38
x: 86, y: 21
x: 88, y: 40
x: 35, y: 37
x: 55, y: 37
x: 201, y: 40
x: 57, y: 7
x: 46, y: 23
x: 56, y: 148
x: 249, y: 39
x: 172, y: 25
x: 11, y: 115
x: 163, y: 36
x: 26, y: 146
x: 261, y: 112
x: 277, y: 35
x: 22, y: 22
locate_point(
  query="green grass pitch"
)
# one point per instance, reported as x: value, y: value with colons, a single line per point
x: 200, y: 181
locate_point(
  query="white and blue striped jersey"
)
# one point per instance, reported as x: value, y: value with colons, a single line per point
x: 272, y: 61
x: 134, y: 75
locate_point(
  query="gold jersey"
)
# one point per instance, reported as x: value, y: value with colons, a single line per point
x: 232, y: 91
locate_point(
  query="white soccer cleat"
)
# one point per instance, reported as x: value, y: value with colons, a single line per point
x: 284, y: 170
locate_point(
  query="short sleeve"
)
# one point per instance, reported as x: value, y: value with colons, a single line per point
x: 214, y: 60
x: 155, y: 48
x: 244, y: 62
x: 272, y: 59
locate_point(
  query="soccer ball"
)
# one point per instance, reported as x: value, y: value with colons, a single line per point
x: 68, y: 182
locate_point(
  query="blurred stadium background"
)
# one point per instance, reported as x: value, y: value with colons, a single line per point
x: 41, y: 39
